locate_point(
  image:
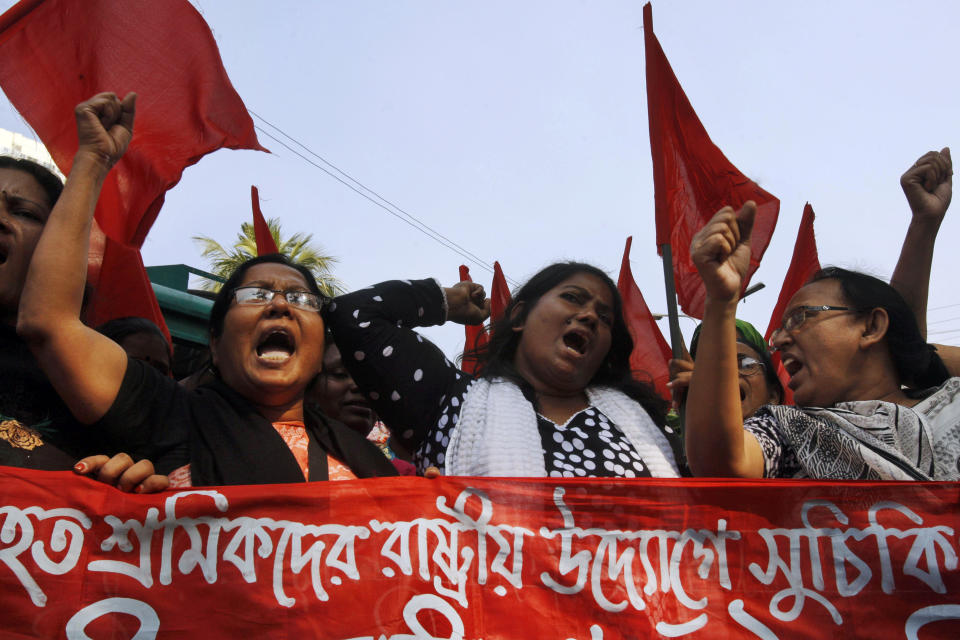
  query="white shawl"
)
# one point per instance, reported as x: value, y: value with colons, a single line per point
x: 497, y: 433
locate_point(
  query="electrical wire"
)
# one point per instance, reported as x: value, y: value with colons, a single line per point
x: 359, y: 188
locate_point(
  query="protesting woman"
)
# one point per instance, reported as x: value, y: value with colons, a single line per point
x: 266, y: 336
x: 554, y: 396
x: 854, y: 354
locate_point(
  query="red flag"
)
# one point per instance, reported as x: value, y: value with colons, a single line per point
x: 122, y: 287
x: 499, y: 293
x: 261, y: 231
x: 475, y: 336
x: 803, y: 265
x: 651, y: 352
x: 692, y: 179
x: 57, y: 53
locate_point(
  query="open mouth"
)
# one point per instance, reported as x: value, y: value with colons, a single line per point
x: 791, y: 365
x: 576, y: 341
x: 276, y: 346
x: 3, y: 254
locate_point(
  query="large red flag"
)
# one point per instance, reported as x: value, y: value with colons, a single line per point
x: 692, y: 179
x: 804, y: 263
x: 475, y: 336
x: 56, y: 53
x: 651, y: 352
x: 261, y: 230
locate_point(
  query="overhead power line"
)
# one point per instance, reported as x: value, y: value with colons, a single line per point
x: 946, y: 306
x: 361, y: 189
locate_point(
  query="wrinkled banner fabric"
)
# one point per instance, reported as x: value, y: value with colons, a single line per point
x: 405, y: 558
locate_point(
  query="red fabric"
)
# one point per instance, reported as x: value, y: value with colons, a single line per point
x: 804, y: 263
x: 495, y: 558
x: 651, y: 353
x: 692, y: 179
x: 499, y: 293
x: 261, y: 231
x: 474, y: 334
x: 122, y: 288
x: 57, y: 53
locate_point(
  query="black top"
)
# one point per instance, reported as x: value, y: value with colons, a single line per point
x: 418, y: 392
x: 222, y: 436
x: 37, y: 431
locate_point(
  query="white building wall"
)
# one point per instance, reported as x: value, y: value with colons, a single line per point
x: 20, y: 146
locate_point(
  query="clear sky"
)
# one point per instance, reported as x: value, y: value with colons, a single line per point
x: 519, y: 130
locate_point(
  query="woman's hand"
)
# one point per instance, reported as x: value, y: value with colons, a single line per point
x: 928, y: 185
x: 721, y: 251
x: 681, y: 371
x: 105, y: 126
x: 121, y: 472
x: 467, y: 303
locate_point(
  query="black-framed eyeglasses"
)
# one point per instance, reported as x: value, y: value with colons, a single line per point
x: 259, y: 296
x: 748, y: 365
x: 795, y: 319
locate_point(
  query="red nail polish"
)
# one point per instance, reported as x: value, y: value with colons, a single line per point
x: 80, y: 467
x: 139, y: 489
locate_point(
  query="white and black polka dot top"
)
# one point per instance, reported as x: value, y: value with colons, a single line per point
x: 418, y: 392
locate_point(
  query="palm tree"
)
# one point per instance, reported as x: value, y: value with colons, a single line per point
x: 297, y: 247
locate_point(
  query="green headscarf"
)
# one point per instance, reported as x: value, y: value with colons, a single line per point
x: 746, y: 333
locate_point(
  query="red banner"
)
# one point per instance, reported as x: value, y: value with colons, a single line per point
x: 409, y: 558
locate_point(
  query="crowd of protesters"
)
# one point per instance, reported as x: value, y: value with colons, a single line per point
x: 303, y: 388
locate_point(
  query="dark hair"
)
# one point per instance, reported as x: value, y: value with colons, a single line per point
x: 120, y: 328
x: 496, y: 358
x: 916, y: 362
x: 51, y: 184
x: 222, y: 302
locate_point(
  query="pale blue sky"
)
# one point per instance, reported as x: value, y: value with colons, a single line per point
x: 519, y: 130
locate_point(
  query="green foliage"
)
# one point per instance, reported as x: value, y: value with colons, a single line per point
x: 297, y: 247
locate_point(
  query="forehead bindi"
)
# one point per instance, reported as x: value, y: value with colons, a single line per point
x: 273, y: 275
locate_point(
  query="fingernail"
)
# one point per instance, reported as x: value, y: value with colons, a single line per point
x: 80, y: 467
x: 139, y: 489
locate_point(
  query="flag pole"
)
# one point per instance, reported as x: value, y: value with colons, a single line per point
x: 676, y: 338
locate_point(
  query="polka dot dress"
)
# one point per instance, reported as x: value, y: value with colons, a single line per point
x: 418, y: 392
x: 589, y: 446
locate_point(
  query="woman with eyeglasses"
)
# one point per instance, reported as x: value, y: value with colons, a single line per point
x: 249, y: 425
x: 759, y: 384
x: 855, y: 356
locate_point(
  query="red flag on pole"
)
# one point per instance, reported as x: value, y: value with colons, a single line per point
x: 57, y: 53
x: 499, y: 293
x: 804, y: 263
x: 261, y: 230
x: 692, y: 179
x: 651, y: 352
x: 475, y: 336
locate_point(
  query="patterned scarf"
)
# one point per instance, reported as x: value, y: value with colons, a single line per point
x: 864, y: 440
